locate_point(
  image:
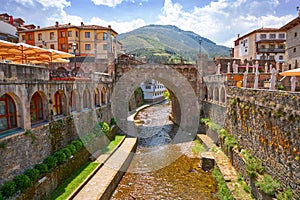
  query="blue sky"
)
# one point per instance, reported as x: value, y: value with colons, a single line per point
x: 218, y: 20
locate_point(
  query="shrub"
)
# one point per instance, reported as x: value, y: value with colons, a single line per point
x: 9, y: 189
x: 43, y: 168
x: 285, y: 195
x: 22, y: 181
x: 50, y: 161
x: 1, y: 196
x: 268, y: 185
x: 61, y: 157
x: 33, y: 174
x: 72, y: 148
x: 223, y: 191
x: 67, y: 152
x: 77, y: 144
x: 113, y: 121
x: 105, y: 128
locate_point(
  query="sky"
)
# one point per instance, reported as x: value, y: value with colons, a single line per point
x: 218, y: 20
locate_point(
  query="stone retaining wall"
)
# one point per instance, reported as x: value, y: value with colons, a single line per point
x: 267, y: 123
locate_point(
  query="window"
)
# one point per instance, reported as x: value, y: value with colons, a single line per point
x: 76, y: 33
x: 30, y: 36
x: 57, y: 106
x: 272, y: 36
x: 39, y: 37
x: 295, y: 34
x: 8, y: 114
x: 62, y: 34
x: 263, y: 46
x: 104, y: 36
x: 103, y: 96
x: 281, y: 35
x: 87, y: 46
x: 63, y: 46
x: 148, y: 87
x: 105, y: 47
x: 96, y: 98
x: 73, y: 101
x: 280, y: 57
x: 36, y: 108
x: 23, y: 37
x: 294, y: 50
x: 272, y: 46
x: 263, y: 36
x: 85, y: 98
x: 51, y: 35
x: 69, y: 33
x: 271, y: 57
x: 87, y: 34
x: 281, y: 46
x: 51, y: 46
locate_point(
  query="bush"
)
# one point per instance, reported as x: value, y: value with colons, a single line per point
x: 105, y: 128
x: 43, y: 168
x: 33, y: 174
x: 112, y: 122
x: 67, y: 152
x: 77, y: 144
x: 22, y: 181
x: 61, y: 157
x: 1, y: 196
x: 268, y: 185
x: 50, y: 161
x: 9, y: 189
x: 72, y: 148
x: 285, y: 195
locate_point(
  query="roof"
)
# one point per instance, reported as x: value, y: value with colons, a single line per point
x: 291, y: 24
x: 260, y: 30
x: 63, y: 26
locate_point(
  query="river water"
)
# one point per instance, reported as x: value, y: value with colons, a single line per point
x: 160, y: 169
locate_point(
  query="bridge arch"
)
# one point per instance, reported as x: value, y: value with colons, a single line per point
x: 174, y: 81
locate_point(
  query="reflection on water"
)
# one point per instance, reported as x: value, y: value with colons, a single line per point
x: 179, y: 179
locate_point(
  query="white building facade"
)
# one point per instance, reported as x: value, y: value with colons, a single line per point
x: 153, y: 91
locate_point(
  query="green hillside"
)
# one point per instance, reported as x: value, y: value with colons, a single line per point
x: 168, y: 44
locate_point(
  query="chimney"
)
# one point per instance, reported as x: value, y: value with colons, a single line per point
x: 38, y: 27
x: 109, y: 26
x: 69, y: 24
x: 56, y: 24
x: 238, y: 35
x: 82, y: 24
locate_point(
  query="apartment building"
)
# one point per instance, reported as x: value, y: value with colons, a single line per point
x: 264, y: 44
x: 90, y: 43
x: 153, y: 90
x: 292, y: 49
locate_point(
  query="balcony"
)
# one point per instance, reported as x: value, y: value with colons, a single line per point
x: 270, y: 50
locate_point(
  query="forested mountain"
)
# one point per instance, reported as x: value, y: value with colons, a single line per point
x: 168, y: 44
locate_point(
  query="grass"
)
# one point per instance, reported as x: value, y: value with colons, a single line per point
x: 65, y: 189
x: 223, y: 192
x: 198, y: 147
x: 113, y: 143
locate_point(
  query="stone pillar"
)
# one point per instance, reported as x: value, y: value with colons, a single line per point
x: 207, y: 161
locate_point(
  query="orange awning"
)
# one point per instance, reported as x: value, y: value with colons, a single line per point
x: 292, y: 72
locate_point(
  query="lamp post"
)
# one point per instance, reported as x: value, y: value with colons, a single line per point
x: 230, y: 53
x: 74, y: 46
x: 200, y: 42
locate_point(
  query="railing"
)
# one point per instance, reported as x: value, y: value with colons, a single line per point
x: 68, y: 75
x: 270, y: 50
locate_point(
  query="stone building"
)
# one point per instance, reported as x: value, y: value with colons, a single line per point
x: 264, y: 44
x: 292, y: 50
x: 91, y: 44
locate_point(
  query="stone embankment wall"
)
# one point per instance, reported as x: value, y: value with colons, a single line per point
x: 24, y: 149
x: 267, y: 123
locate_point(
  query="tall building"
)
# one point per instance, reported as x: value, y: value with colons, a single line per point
x: 90, y: 43
x: 264, y: 44
x: 292, y: 49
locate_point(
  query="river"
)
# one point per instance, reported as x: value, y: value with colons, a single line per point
x: 154, y: 172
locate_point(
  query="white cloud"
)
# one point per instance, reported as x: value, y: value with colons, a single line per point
x: 119, y: 26
x: 24, y: 2
x: 222, y: 20
x: 110, y: 3
x: 55, y: 3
